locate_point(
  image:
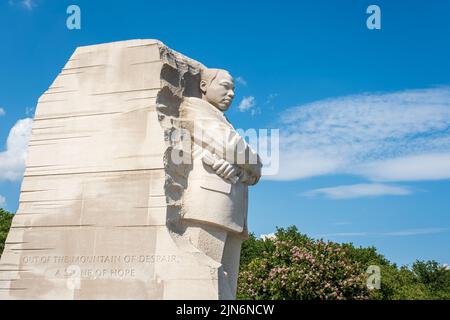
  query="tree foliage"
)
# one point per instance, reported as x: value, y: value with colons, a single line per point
x: 5, y: 224
x: 291, y: 265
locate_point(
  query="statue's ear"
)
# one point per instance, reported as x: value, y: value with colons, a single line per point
x: 203, y: 86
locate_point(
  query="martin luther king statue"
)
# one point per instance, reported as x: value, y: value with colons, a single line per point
x: 214, y: 211
x: 105, y: 211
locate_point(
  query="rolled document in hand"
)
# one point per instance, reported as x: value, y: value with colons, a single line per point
x: 209, y: 159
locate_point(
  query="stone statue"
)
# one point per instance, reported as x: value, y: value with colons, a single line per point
x: 223, y: 166
x: 104, y: 211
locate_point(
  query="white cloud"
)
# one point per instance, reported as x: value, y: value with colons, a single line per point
x: 241, y: 81
x: 246, y: 103
x: 415, y: 232
x: 2, y: 200
x: 358, y: 191
x: 415, y: 167
x: 12, y: 160
x: 268, y: 236
x: 2, y: 112
x: 397, y: 136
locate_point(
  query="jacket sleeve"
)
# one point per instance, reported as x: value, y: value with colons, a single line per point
x: 220, y: 138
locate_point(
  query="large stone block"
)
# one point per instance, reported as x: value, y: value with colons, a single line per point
x: 98, y: 194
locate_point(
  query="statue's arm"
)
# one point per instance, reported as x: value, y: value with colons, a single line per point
x: 225, y: 143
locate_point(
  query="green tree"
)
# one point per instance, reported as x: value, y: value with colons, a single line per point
x: 5, y: 224
x: 435, y: 278
x: 294, y: 266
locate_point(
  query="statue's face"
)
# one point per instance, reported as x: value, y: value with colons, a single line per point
x: 220, y: 92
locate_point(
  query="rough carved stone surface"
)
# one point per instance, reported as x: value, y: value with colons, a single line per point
x: 101, y: 204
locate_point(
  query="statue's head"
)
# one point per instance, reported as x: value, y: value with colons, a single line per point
x: 217, y: 87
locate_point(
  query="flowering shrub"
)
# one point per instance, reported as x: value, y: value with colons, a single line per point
x: 293, y: 266
x: 290, y: 265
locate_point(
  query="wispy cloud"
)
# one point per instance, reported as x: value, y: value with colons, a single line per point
x: 12, y: 160
x: 29, y: 111
x: 247, y: 103
x: 400, y: 233
x: 2, y: 201
x: 2, y: 112
x: 26, y: 4
x: 241, y: 81
x: 415, y: 232
x: 359, y: 191
x: 344, y: 234
x: 433, y: 166
x: 397, y: 136
x: 342, y: 223
x: 271, y: 97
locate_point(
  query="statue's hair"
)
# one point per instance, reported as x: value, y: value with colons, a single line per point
x: 208, y: 75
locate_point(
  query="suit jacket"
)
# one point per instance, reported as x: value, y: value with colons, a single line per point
x: 208, y: 197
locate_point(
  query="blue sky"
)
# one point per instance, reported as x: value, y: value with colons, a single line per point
x: 364, y: 115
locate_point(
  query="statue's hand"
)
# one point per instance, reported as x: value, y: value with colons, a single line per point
x: 226, y: 170
x: 247, y: 178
